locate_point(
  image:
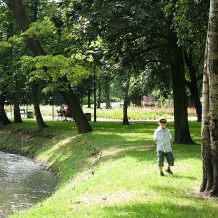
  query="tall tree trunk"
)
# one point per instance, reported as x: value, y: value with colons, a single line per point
x: 19, y: 12
x: 75, y: 109
x: 126, y: 101
x: 139, y: 100
x: 40, y: 122
x: 17, y: 116
x: 210, y: 106
x: 192, y: 85
x: 3, y: 117
x: 182, y: 133
x: 107, y: 92
x: 99, y: 93
x: 196, y: 98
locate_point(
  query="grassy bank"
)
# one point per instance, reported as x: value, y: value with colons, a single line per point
x: 111, y: 172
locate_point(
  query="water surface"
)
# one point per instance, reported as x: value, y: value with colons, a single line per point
x: 23, y: 183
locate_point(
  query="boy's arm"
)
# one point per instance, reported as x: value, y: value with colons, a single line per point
x: 155, y: 137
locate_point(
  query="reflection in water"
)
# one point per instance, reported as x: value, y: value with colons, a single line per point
x: 23, y: 183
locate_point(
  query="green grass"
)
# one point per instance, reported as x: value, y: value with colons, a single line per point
x: 112, y: 171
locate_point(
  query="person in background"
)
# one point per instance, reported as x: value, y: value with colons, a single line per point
x: 67, y: 113
x: 162, y: 138
x: 61, y: 112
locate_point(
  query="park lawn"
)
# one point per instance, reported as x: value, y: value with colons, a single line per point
x: 112, y: 171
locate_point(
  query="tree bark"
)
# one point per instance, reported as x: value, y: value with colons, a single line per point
x: 40, y: 122
x: 126, y: 101
x: 75, y: 109
x: 3, y: 117
x: 138, y: 101
x: 192, y: 85
x: 17, y: 116
x: 210, y: 106
x: 107, y: 92
x: 99, y: 93
x: 182, y: 133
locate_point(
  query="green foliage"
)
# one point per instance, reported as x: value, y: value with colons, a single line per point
x: 119, y: 37
x: 53, y: 68
x: 190, y: 21
x: 43, y: 28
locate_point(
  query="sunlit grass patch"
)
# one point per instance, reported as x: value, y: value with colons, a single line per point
x: 112, y: 172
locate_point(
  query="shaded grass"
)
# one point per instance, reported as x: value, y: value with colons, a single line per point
x: 112, y: 171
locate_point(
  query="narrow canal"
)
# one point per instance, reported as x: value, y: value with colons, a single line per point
x: 23, y: 183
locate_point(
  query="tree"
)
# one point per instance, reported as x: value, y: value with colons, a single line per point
x: 191, y: 28
x: 20, y: 13
x: 3, y: 117
x: 182, y: 132
x: 192, y: 84
x: 210, y: 106
x: 9, y: 57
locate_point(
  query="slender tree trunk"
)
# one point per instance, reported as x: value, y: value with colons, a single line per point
x: 197, y: 102
x: 126, y: 101
x: 210, y: 106
x: 182, y: 133
x: 3, y: 117
x: 99, y: 94
x: 94, y: 91
x: 17, y: 116
x: 192, y: 85
x: 107, y: 92
x: 40, y: 122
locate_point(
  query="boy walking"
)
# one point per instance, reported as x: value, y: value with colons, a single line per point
x: 162, y: 138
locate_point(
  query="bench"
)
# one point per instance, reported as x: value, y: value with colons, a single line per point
x: 68, y: 116
x: 62, y: 115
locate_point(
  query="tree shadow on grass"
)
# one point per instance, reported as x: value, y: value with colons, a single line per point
x: 84, y: 153
x: 110, y: 141
x: 184, y: 177
x: 156, y: 209
x: 93, y: 150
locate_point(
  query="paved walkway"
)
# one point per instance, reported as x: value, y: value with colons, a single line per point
x: 99, y: 119
x: 134, y: 121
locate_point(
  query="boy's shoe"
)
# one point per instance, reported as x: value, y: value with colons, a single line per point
x: 162, y: 174
x: 169, y: 171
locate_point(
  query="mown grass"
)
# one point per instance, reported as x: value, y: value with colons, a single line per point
x: 112, y: 171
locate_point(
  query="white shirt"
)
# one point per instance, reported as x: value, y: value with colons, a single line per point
x: 163, y: 137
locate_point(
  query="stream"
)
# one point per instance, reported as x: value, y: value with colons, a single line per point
x: 23, y: 183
